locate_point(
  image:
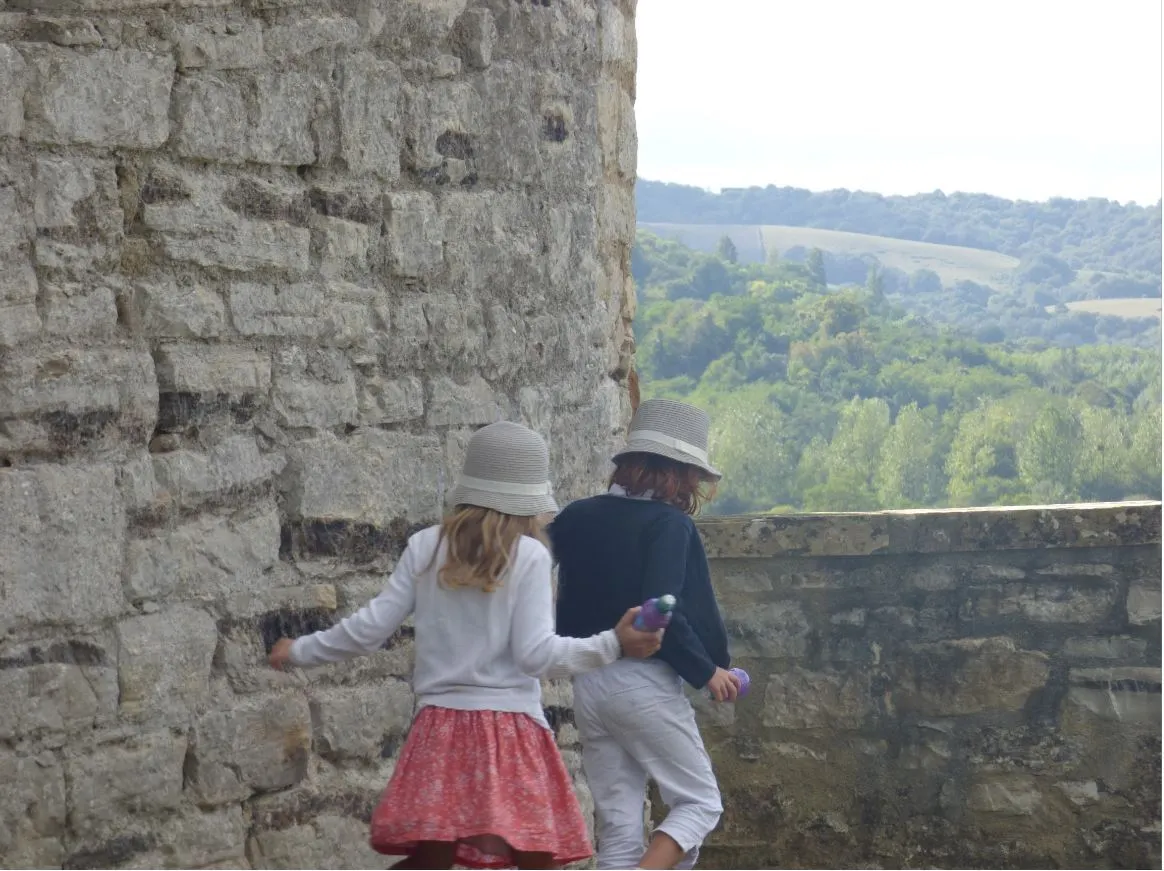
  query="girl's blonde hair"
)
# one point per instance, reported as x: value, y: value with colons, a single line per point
x: 481, y: 546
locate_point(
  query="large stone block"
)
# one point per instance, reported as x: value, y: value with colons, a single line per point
x: 196, y: 839
x: 232, y: 466
x: 453, y: 404
x: 1011, y: 795
x: 369, y: 112
x: 281, y: 131
x: 164, y: 662
x: 106, y: 98
x: 69, y: 398
x: 19, y: 318
x: 1048, y: 604
x: 238, y: 45
x: 390, y: 400
x: 362, y: 722
x: 32, y: 809
x: 335, y: 314
x: 247, y: 246
x: 1143, y: 604
x: 62, y: 531
x: 167, y: 309
x: 801, y: 699
x: 112, y: 782
x: 328, y: 840
x: 205, y: 559
x: 444, y: 122
x: 969, y: 676
x: 52, y: 698
x: 414, y: 234
x: 73, y: 311
x: 13, y: 80
x: 297, y: 38
x: 211, y: 114
x: 371, y: 476
x: 213, y: 369
x: 1127, y: 696
x: 65, y: 184
x: 315, y: 389
x: 261, y: 745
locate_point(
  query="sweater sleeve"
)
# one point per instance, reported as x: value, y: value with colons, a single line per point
x: 667, y: 547
x: 365, y: 631
x: 536, y: 649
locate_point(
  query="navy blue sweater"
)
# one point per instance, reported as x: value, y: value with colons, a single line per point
x: 614, y: 553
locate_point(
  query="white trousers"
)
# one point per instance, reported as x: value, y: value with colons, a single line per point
x: 635, y: 723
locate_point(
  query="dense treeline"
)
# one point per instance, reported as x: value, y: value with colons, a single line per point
x: 1093, y: 234
x: 839, y: 399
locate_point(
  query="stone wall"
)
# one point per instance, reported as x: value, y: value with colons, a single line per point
x: 264, y: 265
x: 962, y: 689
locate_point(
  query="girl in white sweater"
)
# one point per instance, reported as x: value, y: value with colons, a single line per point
x: 480, y: 781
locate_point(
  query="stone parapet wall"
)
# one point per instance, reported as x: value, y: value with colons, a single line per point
x: 950, y: 689
x: 264, y: 265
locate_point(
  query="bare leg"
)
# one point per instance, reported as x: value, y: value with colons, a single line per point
x: 534, y: 861
x: 431, y: 854
x: 663, y: 852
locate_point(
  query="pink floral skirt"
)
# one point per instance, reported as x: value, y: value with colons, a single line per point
x: 492, y: 782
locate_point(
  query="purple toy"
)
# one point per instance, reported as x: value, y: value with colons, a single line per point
x: 745, y: 682
x: 655, y: 615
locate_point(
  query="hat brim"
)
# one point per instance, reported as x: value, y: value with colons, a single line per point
x: 646, y: 446
x: 519, y: 506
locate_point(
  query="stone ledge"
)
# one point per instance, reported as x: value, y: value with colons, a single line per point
x: 1111, y: 524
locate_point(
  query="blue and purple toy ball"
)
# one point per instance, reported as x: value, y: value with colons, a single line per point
x: 655, y: 614
x: 745, y: 681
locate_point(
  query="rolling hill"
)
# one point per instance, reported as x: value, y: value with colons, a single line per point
x: 754, y: 242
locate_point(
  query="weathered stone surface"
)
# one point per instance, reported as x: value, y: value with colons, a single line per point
x: 315, y: 390
x: 1013, y: 796
x: 235, y: 46
x: 168, y: 310
x: 801, y: 699
x: 301, y: 310
x: 261, y: 744
x: 112, y: 782
x: 1143, y: 604
x: 281, y: 131
x: 73, y: 311
x: 164, y: 662
x: 13, y: 80
x: 773, y: 629
x: 390, y: 400
x: 326, y: 841
x: 474, y: 36
x: 61, y: 533
x: 234, y: 465
x: 1126, y: 695
x: 453, y: 404
x: 61, y: 185
x: 211, y: 116
x: 296, y: 38
x: 32, y: 808
x: 955, y: 678
x: 414, y: 234
x: 71, y: 398
x: 369, y: 99
x: 371, y: 477
x: 248, y: 246
x: 213, y: 369
x: 54, y: 697
x: 208, y: 558
x: 362, y: 723
x: 1118, y: 647
x: 1048, y: 604
x: 106, y: 98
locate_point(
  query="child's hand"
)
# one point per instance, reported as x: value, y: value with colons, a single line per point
x: 280, y: 654
x: 724, y: 686
x: 634, y: 643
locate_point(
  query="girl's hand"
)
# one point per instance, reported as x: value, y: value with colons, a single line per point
x: 280, y: 654
x: 724, y: 686
x: 634, y: 643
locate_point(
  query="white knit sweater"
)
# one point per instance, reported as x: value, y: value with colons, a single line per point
x: 474, y: 650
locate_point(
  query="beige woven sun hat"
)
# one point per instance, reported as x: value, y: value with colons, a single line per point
x: 670, y: 429
x: 507, y: 468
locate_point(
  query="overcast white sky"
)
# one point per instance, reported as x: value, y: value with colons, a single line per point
x: 1026, y: 99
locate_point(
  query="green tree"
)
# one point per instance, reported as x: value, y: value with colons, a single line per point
x: 1048, y: 454
x: 750, y: 443
x: 875, y: 283
x: 909, y: 474
x: 726, y: 250
x: 816, y: 268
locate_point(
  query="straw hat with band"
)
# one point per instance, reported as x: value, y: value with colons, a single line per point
x: 507, y: 468
x: 670, y: 429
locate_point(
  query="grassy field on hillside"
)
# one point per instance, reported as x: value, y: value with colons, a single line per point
x: 753, y: 242
x: 1122, y: 308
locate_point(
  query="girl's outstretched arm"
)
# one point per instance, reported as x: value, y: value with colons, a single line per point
x: 363, y: 632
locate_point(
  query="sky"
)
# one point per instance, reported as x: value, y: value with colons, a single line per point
x: 1025, y: 99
